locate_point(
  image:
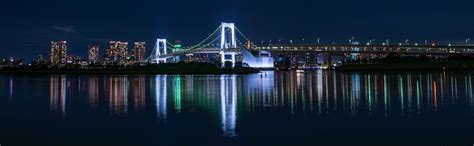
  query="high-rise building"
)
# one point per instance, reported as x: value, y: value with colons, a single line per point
x: 117, y: 52
x: 139, y: 51
x: 93, y: 54
x: 58, y: 52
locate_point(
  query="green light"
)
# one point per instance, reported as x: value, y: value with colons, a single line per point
x: 177, y: 90
x: 177, y: 46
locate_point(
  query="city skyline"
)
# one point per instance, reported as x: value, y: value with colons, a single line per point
x: 236, y: 72
x: 82, y: 24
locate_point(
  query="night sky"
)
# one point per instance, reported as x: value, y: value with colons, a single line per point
x: 28, y: 26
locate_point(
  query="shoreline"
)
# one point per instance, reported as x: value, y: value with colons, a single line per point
x: 413, y: 67
x: 171, y: 69
x: 123, y: 72
x: 119, y: 72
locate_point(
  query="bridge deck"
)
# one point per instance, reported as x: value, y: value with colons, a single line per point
x: 369, y: 49
x: 374, y: 49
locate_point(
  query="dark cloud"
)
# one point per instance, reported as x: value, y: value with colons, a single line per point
x: 68, y: 29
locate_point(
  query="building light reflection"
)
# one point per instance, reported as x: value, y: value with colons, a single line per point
x: 93, y: 91
x: 58, y: 93
x: 138, y: 89
x: 118, y: 94
x: 10, y: 87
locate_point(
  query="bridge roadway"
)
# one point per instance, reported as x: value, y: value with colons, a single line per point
x: 336, y: 49
x: 199, y: 51
x: 371, y: 49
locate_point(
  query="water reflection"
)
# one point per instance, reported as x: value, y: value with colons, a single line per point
x: 160, y: 96
x: 57, y: 98
x: 228, y: 104
x: 118, y: 94
x: 229, y: 99
x: 10, y: 83
x: 177, y: 93
x: 139, y: 90
x: 93, y: 91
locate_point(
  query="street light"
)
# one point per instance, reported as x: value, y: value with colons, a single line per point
x: 467, y: 41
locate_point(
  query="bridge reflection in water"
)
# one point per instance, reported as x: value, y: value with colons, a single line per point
x: 233, y: 98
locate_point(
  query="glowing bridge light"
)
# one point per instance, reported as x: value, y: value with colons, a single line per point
x: 224, y: 43
x: 228, y: 56
x: 160, y: 49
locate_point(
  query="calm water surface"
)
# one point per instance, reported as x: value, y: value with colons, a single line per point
x: 288, y: 108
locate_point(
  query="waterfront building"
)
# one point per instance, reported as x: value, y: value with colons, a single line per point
x: 138, y: 52
x: 58, y: 52
x: 117, y: 52
x: 93, y: 54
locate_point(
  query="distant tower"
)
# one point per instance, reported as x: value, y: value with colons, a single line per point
x: 139, y: 51
x: 58, y: 52
x: 249, y: 44
x: 93, y: 54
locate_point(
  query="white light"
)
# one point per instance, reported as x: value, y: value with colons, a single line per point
x: 224, y: 44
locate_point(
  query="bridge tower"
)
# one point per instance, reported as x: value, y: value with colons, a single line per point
x: 160, y: 49
x: 227, y: 43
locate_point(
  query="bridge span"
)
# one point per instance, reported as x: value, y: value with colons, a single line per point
x: 371, y: 49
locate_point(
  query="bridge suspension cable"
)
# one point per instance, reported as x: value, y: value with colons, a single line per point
x: 152, y: 55
x: 170, y: 45
x: 203, y: 41
x: 210, y: 43
x: 244, y: 37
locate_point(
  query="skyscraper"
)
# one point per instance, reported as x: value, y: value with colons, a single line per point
x: 93, y: 54
x: 58, y: 52
x: 139, y: 51
x: 117, y: 52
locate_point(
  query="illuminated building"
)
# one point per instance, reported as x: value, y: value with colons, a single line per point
x: 139, y: 51
x: 117, y: 52
x: 39, y: 59
x: 93, y: 54
x: 58, y: 52
x: 73, y: 59
x: 177, y: 46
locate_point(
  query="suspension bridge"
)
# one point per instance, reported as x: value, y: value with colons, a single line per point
x: 228, y: 44
x: 225, y: 43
